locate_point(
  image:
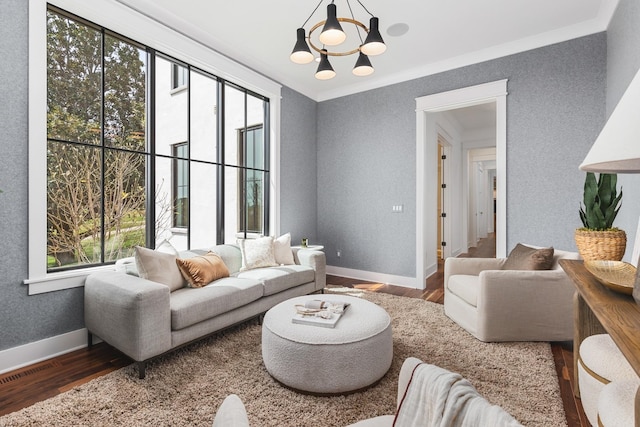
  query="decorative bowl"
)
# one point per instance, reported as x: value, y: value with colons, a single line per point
x: 619, y: 276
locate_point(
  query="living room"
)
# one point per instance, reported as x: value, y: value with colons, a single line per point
x: 344, y: 161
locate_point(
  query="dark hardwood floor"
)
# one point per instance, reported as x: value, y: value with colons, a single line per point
x: 26, y: 386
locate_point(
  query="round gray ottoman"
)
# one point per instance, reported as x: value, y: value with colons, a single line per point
x: 353, y: 355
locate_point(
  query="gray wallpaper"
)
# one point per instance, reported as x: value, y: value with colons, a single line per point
x: 623, y: 61
x: 366, y: 154
x: 298, y: 167
x: 22, y: 318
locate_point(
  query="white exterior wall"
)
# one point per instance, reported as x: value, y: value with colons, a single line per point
x: 171, y: 128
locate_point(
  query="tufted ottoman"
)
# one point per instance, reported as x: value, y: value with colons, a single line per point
x: 353, y: 355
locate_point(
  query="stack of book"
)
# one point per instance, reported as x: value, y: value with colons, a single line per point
x: 319, y: 313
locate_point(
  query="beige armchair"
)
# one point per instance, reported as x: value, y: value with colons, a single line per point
x: 509, y: 305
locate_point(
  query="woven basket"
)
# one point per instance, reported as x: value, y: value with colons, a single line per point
x: 601, y: 245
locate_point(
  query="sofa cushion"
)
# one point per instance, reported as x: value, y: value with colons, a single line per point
x: 257, y: 253
x: 192, y: 305
x: 282, y: 250
x: 278, y: 279
x: 526, y: 258
x: 158, y: 267
x: 202, y: 269
x: 231, y: 256
x: 465, y: 287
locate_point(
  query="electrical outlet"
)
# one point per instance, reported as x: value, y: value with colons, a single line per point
x: 338, y: 253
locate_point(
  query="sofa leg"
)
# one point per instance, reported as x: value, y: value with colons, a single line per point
x: 142, y: 368
x: 89, y: 339
x: 260, y: 319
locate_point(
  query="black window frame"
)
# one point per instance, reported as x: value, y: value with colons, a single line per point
x: 149, y: 150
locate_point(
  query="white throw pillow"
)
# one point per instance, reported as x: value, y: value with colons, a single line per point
x: 257, y: 253
x: 159, y: 267
x: 282, y: 250
x: 166, y: 247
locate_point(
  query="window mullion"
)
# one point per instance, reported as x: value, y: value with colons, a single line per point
x: 102, y: 147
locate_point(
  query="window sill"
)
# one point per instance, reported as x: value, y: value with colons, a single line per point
x: 63, y: 280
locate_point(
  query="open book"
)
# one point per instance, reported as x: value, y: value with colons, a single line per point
x: 319, y: 313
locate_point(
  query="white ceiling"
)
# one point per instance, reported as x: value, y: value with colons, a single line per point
x: 443, y: 34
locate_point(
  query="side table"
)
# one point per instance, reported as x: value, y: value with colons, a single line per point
x: 599, y: 310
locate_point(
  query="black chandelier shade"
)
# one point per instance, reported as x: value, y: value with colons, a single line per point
x: 373, y: 44
x: 332, y: 33
x: 301, y: 53
x: 325, y: 70
x: 363, y: 66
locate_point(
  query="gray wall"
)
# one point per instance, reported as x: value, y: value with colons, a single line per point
x: 366, y: 154
x: 298, y: 167
x: 22, y: 318
x: 623, y: 61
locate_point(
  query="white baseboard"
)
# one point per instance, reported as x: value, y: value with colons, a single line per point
x: 37, y: 351
x: 387, y: 279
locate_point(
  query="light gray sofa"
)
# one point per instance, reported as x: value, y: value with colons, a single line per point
x: 144, y: 319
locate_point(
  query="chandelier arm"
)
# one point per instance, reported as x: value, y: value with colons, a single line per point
x: 328, y: 53
x: 314, y: 11
x: 357, y: 27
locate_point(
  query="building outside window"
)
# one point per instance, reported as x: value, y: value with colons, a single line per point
x: 116, y: 177
x: 180, y: 177
x: 178, y: 76
x: 251, y: 147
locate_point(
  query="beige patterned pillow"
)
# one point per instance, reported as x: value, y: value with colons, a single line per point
x: 158, y: 267
x: 201, y: 270
x: 282, y: 250
x: 257, y: 253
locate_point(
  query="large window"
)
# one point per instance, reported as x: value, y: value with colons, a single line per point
x: 130, y: 160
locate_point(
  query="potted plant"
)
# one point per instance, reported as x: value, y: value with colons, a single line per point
x: 599, y: 239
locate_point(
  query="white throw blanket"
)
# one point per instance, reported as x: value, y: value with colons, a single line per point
x: 436, y: 397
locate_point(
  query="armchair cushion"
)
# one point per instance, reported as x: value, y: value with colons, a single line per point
x: 527, y: 258
x: 466, y: 287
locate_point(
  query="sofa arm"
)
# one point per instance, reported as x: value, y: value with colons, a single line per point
x: 470, y: 266
x: 533, y: 305
x: 128, y: 312
x: 317, y: 261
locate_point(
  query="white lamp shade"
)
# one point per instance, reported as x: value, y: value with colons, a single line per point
x: 617, y: 148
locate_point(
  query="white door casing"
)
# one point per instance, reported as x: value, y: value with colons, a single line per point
x: 426, y: 167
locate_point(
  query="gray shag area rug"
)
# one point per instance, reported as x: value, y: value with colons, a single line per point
x: 187, y: 386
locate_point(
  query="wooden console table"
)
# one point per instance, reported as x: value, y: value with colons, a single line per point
x: 598, y: 310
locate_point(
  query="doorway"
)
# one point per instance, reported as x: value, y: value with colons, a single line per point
x: 427, y: 167
x: 443, y: 224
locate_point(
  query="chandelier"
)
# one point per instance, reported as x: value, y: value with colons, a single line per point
x: 332, y: 34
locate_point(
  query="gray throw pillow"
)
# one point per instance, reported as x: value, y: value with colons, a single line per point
x: 525, y: 258
x: 159, y: 267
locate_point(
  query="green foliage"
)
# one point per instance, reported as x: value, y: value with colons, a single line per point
x: 601, y: 201
x: 96, y: 91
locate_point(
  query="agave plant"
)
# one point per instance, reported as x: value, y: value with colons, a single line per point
x: 601, y: 201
